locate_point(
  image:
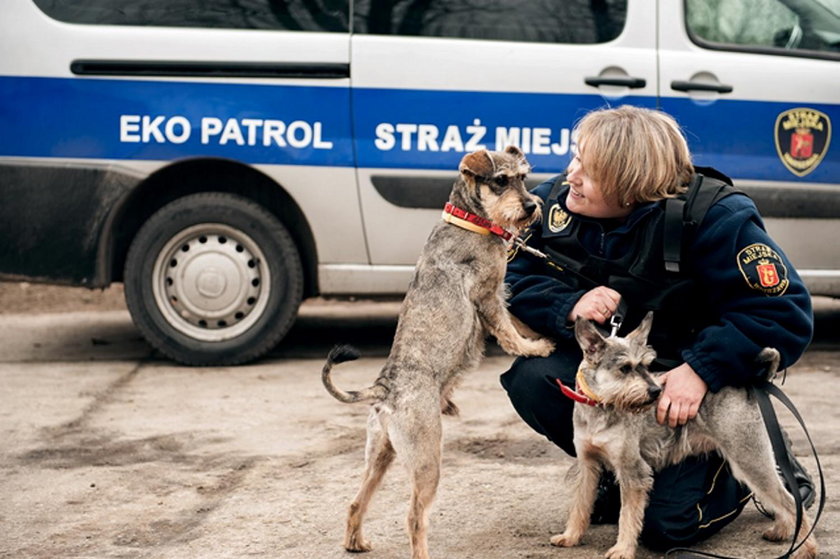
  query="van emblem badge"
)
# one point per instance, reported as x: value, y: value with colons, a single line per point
x: 802, y: 137
x: 558, y: 219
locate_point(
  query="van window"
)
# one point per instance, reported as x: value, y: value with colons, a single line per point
x: 542, y: 21
x: 783, y: 26
x: 293, y: 15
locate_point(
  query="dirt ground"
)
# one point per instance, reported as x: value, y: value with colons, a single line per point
x: 114, y: 453
x: 25, y: 297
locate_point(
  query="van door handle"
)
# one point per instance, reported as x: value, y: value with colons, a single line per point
x: 632, y: 83
x: 679, y: 85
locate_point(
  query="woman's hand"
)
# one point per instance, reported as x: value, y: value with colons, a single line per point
x: 598, y: 304
x: 683, y: 393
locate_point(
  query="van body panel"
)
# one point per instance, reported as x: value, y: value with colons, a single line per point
x: 747, y: 131
x: 477, y: 94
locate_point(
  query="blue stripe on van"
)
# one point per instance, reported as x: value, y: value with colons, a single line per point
x: 440, y: 126
x: 80, y: 118
x: 395, y: 128
x: 738, y: 137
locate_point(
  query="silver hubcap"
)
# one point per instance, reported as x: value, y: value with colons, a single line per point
x: 211, y: 282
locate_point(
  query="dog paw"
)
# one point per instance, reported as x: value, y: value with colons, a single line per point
x: 357, y: 544
x: 777, y: 533
x: 808, y: 550
x: 564, y: 540
x: 542, y: 348
x: 620, y: 552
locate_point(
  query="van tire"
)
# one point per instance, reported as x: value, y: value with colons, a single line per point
x: 213, y: 279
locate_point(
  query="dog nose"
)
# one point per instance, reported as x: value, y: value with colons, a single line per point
x: 529, y: 206
x: 654, y: 392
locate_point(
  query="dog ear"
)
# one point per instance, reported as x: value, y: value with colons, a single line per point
x: 640, y: 334
x: 590, y: 339
x: 477, y: 164
x: 515, y: 151
x: 524, y: 166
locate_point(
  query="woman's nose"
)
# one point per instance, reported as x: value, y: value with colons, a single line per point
x: 572, y: 170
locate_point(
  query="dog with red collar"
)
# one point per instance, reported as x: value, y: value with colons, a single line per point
x: 456, y: 298
x: 615, y: 426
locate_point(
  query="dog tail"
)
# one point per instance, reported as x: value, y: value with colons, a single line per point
x: 340, y: 354
x: 768, y: 361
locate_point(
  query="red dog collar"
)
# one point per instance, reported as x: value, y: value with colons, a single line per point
x: 461, y: 218
x: 576, y: 396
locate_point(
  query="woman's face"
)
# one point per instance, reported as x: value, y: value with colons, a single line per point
x: 585, y: 194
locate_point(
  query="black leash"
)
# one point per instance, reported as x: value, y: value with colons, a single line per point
x: 762, y: 391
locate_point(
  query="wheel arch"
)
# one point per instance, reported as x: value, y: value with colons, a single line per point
x: 207, y: 175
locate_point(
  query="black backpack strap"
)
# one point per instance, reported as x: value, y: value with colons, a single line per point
x: 673, y: 227
x: 558, y: 184
x: 684, y: 214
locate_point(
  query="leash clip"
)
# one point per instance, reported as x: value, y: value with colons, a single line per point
x: 519, y: 242
x: 617, y: 318
x: 615, y: 324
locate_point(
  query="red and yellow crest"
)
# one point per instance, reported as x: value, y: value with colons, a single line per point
x: 763, y: 269
x: 768, y: 276
x: 802, y: 138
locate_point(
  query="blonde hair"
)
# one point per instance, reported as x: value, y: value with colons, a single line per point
x: 636, y: 154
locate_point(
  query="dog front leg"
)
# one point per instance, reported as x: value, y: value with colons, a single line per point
x: 583, y: 500
x: 635, y: 481
x: 499, y: 322
x: 524, y: 330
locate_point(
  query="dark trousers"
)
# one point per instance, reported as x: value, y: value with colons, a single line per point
x: 689, y: 502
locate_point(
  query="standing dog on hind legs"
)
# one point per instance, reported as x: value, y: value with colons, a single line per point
x: 456, y: 297
x: 618, y: 429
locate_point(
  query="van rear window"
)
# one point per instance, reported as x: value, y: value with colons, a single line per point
x: 541, y: 21
x: 292, y: 15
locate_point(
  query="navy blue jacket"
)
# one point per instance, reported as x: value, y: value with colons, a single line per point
x: 750, y: 291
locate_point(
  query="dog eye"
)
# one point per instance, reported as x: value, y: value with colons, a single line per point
x: 626, y: 369
x: 501, y: 180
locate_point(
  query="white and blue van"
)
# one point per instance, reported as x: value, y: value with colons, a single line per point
x: 227, y: 159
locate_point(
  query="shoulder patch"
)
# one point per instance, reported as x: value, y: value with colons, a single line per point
x: 558, y: 219
x: 763, y: 269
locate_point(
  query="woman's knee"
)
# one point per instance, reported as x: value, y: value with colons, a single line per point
x: 525, y: 375
x: 529, y: 373
x: 537, y: 399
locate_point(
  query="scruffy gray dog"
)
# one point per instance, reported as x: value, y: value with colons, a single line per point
x: 456, y: 297
x: 618, y: 429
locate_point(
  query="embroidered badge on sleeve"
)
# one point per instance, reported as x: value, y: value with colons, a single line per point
x: 763, y: 269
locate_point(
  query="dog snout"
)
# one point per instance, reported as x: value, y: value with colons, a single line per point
x: 654, y: 392
x: 529, y: 207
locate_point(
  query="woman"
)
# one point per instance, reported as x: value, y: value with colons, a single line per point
x: 720, y: 294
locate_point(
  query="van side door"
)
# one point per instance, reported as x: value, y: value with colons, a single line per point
x: 432, y: 83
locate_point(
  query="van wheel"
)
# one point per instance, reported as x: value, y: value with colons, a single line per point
x: 213, y: 279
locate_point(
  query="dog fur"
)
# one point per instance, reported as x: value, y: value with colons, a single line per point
x: 456, y: 297
x: 622, y: 434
